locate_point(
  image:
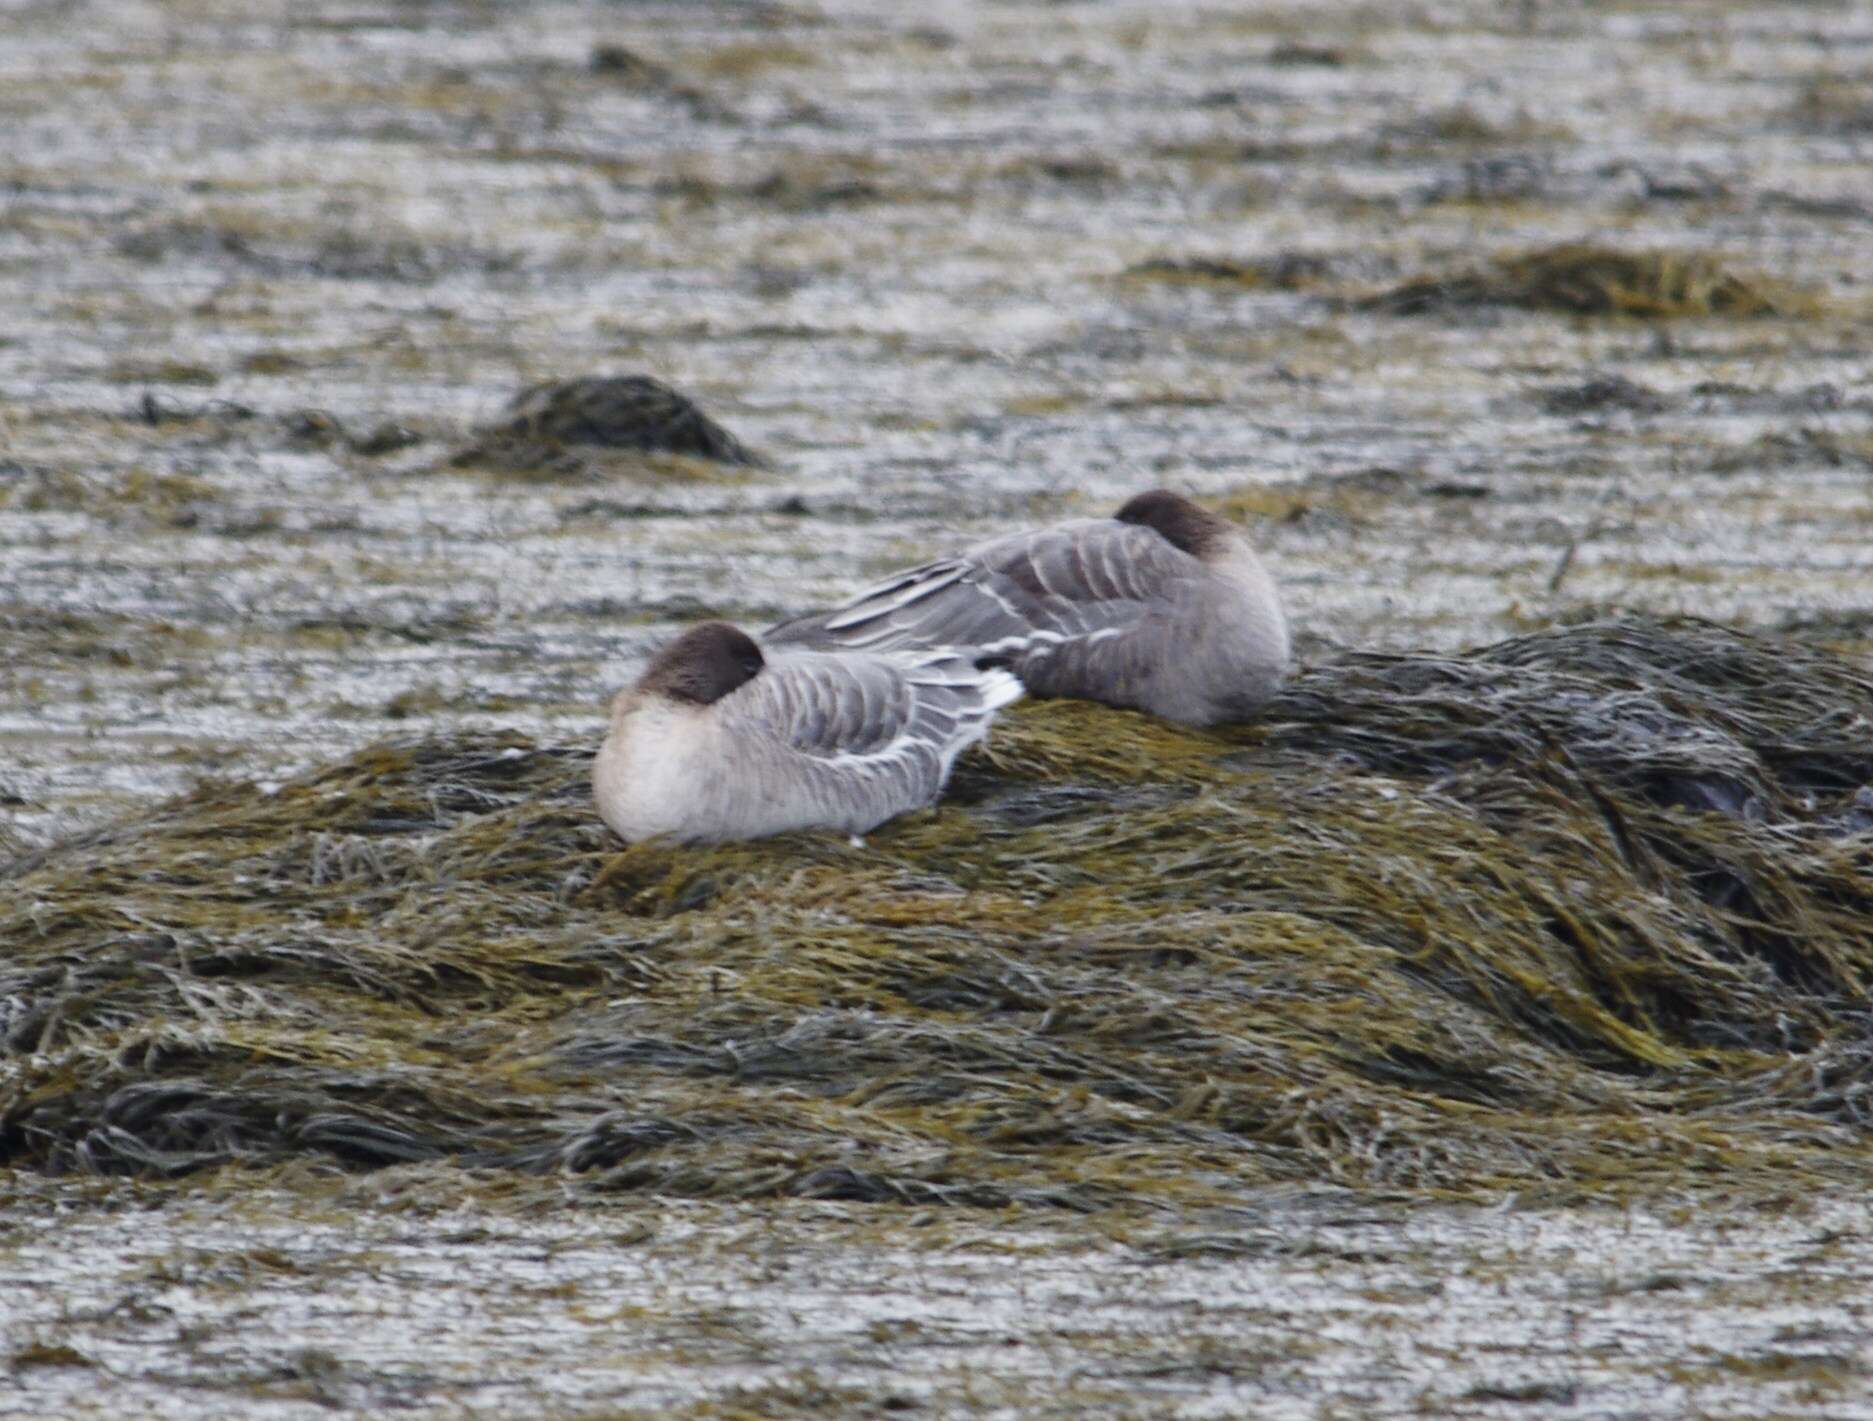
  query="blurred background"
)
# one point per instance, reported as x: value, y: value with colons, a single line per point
x: 1481, y: 316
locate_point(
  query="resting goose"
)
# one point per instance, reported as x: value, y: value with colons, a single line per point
x: 717, y: 741
x: 1163, y: 607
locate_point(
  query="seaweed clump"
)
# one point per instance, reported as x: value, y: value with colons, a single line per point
x: 1602, y: 392
x: 1284, y: 271
x: 1585, y: 914
x: 549, y: 424
x: 1590, y: 280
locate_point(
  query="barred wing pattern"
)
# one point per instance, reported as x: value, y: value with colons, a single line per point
x: 870, y: 735
x: 1085, y: 603
x: 1074, y: 579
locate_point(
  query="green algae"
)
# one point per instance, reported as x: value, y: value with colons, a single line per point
x: 1573, y: 278
x: 1583, y: 278
x: 1288, y: 271
x: 1586, y: 913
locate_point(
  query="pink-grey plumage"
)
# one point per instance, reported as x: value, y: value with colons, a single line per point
x: 718, y: 741
x: 1164, y: 607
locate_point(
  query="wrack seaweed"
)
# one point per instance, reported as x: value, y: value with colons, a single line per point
x: 1587, y: 914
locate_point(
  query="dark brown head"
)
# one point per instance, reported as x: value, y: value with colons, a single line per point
x: 703, y: 665
x: 1176, y: 519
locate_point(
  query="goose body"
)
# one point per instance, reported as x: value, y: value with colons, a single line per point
x: 1163, y: 608
x: 717, y: 741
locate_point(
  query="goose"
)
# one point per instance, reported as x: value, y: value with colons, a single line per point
x: 1163, y: 607
x: 718, y: 741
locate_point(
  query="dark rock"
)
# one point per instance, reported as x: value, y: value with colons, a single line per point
x: 611, y: 412
x: 1602, y: 392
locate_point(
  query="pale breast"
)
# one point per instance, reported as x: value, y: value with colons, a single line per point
x: 654, y: 766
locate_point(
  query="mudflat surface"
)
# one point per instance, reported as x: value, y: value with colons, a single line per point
x: 267, y: 269
x: 285, y: 1307
x: 240, y: 245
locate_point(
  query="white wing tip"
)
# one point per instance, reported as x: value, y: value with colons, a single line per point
x: 1001, y: 688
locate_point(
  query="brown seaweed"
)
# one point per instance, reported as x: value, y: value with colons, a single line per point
x: 1587, y: 913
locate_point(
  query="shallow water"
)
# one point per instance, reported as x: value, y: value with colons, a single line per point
x: 891, y: 252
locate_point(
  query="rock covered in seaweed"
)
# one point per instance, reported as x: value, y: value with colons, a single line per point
x: 1582, y: 278
x: 1601, y: 392
x: 547, y: 421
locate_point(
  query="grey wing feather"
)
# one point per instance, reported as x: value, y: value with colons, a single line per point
x: 880, y: 617
x: 873, y: 735
x: 878, y: 714
x: 1010, y: 594
x: 824, y: 704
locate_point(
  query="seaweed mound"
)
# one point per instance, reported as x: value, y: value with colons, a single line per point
x: 1285, y: 271
x: 1588, y: 280
x: 617, y: 412
x: 1585, y: 914
x: 1602, y: 392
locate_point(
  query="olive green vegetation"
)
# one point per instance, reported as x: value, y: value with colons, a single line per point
x: 1572, y: 278
x: 1589, y: 280
x: 562, y: 427
x: 1586, y: 915
x: 1288, y: 271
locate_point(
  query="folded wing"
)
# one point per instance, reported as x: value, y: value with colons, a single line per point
x: 885, y: 727
x: 1024, y: 592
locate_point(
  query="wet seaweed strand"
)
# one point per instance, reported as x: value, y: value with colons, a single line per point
x: 1587, y: 913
